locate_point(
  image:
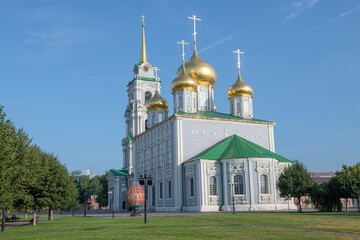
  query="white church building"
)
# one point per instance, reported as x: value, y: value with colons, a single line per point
x: 199, y: 159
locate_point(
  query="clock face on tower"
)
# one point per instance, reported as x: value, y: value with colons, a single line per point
x: 146, y: 68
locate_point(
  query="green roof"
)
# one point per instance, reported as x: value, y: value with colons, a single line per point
x: 119, y: 172
x: 217, y: 115
x: 142, y: 78
x: 237, y: 147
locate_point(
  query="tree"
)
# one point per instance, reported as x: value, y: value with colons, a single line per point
x: 9, y: 170
x: 102, y: 198
x: 346, y: 183
x: 24, y: 180
x: 295, y: 182
x: 94, y: 185
x: 72, y: 192
x: 355, y: 172
x: 325, y: 198
x: 83, y: 186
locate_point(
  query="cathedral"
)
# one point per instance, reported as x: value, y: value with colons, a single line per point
x: 200, y: 160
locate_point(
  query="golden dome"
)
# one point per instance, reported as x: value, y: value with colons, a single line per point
x: 157, y: 103
x: 201, y: 71
x: 215, y: 108
x: 184, y: 81
x: 240, y: 88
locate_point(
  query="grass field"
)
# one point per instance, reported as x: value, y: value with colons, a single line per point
x: 200, y: 226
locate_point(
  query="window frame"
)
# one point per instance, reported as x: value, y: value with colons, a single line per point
x: 264, y: 184
x: 213, y: 186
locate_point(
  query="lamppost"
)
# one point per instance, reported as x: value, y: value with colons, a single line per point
x: 111, y: 191
x: 232, y: 194
x: 146, y: 181
x: 85, y: 206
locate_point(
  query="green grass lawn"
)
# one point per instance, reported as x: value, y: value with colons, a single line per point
x: 204, y: 226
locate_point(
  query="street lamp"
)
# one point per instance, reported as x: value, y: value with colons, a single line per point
x: 146, y: 180
x: 112, y: 197
x: 232, y: 194
x: 85, y: 206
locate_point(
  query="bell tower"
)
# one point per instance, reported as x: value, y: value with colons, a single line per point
x: 139, y: 90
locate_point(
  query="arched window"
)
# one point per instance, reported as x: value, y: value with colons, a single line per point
x: 232, y: 107
x: 213, y: 190
x: 191, y: 183
x: 188, y: 100
x: 239, y: 185
x: 160, y: 117
x: 180, y: 100
x: 169, y: 189
x: 238, y: 106
x: 264, y: 184
x: 148, y: 96
x: 161, y: 190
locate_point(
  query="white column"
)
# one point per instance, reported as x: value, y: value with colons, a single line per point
x: 251, y: 182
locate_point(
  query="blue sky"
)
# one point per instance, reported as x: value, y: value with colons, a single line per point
x: 64, y: 67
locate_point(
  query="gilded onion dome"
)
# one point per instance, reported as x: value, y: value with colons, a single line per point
x: 201, y: 71
x: 240, y: 88
x: 184, y: 81
x: 157, y: 103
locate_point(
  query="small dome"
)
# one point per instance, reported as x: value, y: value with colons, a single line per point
x: 215, y: 108
x: 157, y: 103
x: 201, y: 71
x: 240, y: 88
x: 184, y: 81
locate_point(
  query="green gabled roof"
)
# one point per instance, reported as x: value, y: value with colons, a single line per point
x: 217, y: 115
x: 237, y: 147
x: 119, y: 172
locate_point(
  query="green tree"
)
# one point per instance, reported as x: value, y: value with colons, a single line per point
x: 102, y: 198
x: 9, y: 169
x: 355, y: 172
x: 72, y: 192
x: 295, y: 182
x: 325, y: 198
x: 25, y: 179
x: 345, y: 183
x: 94, y: 185
x: 83, y: 186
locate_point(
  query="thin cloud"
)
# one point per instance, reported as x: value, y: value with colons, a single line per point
x: 215, y: 44
x: 298, y: 7
x: 344, y: 14
x: 55, y: 38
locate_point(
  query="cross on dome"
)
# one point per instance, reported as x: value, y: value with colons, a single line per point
x: 156, y: 72
x: 183, y: 48
x: 143, y: 18
x: 238, y: 53
x: 195, y: 19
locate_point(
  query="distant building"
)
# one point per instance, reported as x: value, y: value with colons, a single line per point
x: 84, y: 172
x: 322, y: 177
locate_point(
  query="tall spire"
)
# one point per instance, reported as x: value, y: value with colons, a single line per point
x: 143, y: 57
